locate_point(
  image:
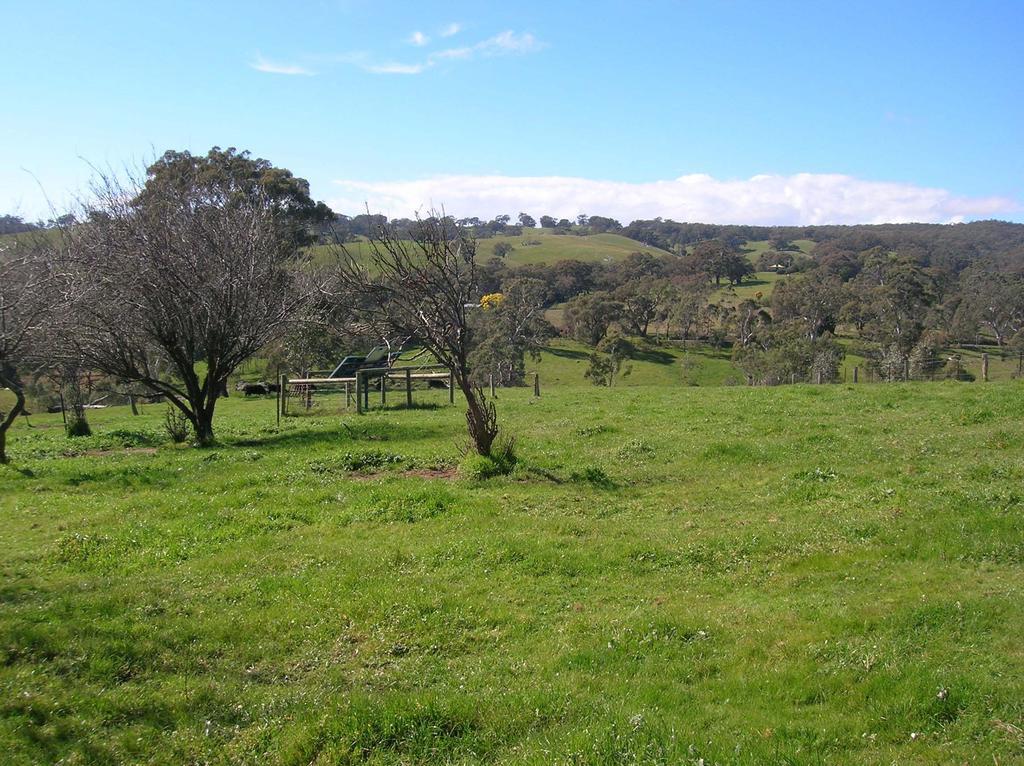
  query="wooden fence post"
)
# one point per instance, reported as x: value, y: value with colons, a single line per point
x: 280, y: 389
x: 492, y: 384
x: 284, y: 395
x: 906, y: 369
x: 984, y: 367
x: 383, y: 389
x: 359, y: 393
x: 856, y: 373
x: 536, y: 384
x: 451, y: 387
x: 408, y: 387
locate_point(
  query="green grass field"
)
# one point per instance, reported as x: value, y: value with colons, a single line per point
x: 804, y: 574
x: 541, y: 246
x: 564, y: 362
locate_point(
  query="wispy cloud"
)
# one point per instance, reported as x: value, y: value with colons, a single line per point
x: 803, y: 199
x: 503, y: 44
x: 418, y: 39
x: 261, y: 64
x: 394, y: 67
x: 500, y: 45
x: 451, y: 30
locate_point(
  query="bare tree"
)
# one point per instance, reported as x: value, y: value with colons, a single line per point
x: 425, y: 288
x: 27, y: 300
x: 174, y: 285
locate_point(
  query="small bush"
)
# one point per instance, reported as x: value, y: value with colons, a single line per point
x: 501, y: 462
x: 479, y: 467
x: 504, y: 453
x: 594, y: 475
x: 78, y: 426
x: 177, y: 425
x: 360, y: 461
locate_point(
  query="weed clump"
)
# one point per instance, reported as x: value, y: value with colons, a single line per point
x: 78, y: 426
x: 361, y: 461
x: 501, y: 462
x: 594, y: 475
x: 177, y: 425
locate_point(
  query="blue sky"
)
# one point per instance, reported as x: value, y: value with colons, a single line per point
x: 781, y: 112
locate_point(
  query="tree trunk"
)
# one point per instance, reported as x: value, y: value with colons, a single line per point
x: 202, y: 422
x: 481, y: 418
x: 7, y: 421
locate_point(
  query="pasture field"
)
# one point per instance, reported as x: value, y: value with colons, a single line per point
x: 759, y: 286
x: 730, y: 575
x: 541, y: 246
x: 564, y: 362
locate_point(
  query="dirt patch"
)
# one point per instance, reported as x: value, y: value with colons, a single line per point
x: 418, y: 473
x: 125, y: 451
x: 432, y: 473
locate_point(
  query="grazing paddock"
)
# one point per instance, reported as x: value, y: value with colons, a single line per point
x: 829, y: 574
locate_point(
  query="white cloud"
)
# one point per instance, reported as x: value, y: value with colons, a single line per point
x: 261, y: 64
x: 500, y: 45
x: 504, y: 44
x: 417, y: 38
x: 801, y: 199
x: 394, y: 67
x: 451, y: 30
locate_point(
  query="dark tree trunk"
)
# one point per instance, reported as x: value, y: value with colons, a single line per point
x: 203, y: 426
x: 8, y: 420
x: 481, y: 418
x: 202, y: 418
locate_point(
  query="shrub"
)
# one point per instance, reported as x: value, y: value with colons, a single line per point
x: 501, y: 462
x: 360, y: 461
x: 479, y: 467
x: 78, y: 426
x: 955, y: 370
x: 177, y: 425
x: 592, y: 475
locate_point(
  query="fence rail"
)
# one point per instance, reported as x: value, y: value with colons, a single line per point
x: 308, y: 389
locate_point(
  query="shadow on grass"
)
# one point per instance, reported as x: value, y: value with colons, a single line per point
x: 352, y: 432
x: 27, y: 473
x: 652, y: 355
x: 567, y: 353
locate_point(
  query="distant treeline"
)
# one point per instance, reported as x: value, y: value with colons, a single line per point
x: 949, y: 247
x: 365, y: 225
x: 15, y: 224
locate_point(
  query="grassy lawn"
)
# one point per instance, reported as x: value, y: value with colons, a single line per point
x: 741, y: 575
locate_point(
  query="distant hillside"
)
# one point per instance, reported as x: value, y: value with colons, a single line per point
x: 946, y: 246
x: 950, y: 246
x: 542, y: 246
